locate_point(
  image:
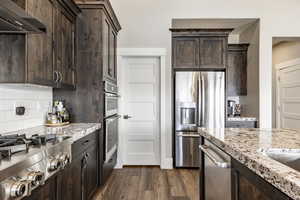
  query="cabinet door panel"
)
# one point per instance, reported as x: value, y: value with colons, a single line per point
x: 237, y: 73
x: 186, y: 53
x: 64, y: 51
x: 67, y: 28
x: 39, y: 46
x: 67, y: 184
x: 112, y: 55
x: 106, y: 49
x: 76, y: 166
x: 91, y: 173
x: 213, y: 52
x: 237, y: 69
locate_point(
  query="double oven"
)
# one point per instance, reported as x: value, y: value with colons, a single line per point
x: 111, y: 121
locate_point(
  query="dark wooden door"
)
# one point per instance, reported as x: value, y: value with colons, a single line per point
x: 112, y: 71
x: 106, y: 48
x: 91, y: 171
x: 68, y: 48
x: 76, y: 167
x: 213, y: 52
x: 185, y: 52
x: 237, y: 70
x: 40, y: 46
x: 67, y: 183
x: 64, y: 52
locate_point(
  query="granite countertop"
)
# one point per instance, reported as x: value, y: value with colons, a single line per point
x: 75, y: 130
x: 233, y: 119
x: 245, y: 145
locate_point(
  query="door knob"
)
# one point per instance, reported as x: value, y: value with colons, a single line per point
x: 126, y: 117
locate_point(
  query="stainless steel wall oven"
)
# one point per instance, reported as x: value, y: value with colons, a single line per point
x: 111, y: 122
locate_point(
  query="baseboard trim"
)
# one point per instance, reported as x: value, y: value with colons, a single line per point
x: 119, y: 165
x: 167, y: 163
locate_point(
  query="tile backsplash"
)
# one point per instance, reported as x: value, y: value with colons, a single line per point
x: 36, y: 100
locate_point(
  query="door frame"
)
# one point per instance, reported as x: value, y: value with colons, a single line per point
x: 278, y: 67
x: 123, y: 53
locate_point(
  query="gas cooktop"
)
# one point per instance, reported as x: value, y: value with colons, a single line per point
x: 12, y: 144
x: 27, y: 161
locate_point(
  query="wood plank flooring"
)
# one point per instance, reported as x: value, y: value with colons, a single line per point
x: 150, y: 183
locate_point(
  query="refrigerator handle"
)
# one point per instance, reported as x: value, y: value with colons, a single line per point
x: 203, y: 101
x: 199, y: 101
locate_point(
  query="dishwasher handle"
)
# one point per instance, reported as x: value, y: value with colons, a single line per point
x: 217, y: 160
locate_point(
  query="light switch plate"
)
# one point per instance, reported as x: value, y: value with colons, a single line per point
x: 20, y: 110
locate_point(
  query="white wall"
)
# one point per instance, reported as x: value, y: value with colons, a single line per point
x: 35, y: 99
x: 250, y: 102
x: 146, y: 23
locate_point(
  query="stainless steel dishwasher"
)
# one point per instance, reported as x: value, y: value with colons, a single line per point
x: 217, y: 172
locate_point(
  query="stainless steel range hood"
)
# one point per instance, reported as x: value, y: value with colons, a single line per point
x: 14, y: 19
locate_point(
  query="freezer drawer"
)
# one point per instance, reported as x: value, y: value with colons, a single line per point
x: 187, y: 149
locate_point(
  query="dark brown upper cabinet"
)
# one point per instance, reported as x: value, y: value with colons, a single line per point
x: 44, y: 59
x: 200, y: 48
x: 109, y: 50
x: 237, y: 70
x: 213, y: 52
x: 101, y: 26
x: 185, y: 52
x: 64, y: 45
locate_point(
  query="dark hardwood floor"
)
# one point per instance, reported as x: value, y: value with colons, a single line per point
x: 150, y: 183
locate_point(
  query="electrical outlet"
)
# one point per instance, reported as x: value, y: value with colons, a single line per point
x: 20, y: 110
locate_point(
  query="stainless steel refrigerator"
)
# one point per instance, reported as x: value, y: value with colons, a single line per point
x: 199, y: 102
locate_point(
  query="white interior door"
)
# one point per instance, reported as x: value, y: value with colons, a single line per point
x: 288, y: 115
x: 140, y: 101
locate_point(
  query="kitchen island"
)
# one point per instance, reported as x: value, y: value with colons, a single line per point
x: 255, y: 174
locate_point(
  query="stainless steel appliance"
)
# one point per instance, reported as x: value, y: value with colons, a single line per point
x: 14, y: 19
x: 111, y: 122
x: 111, y: 99
x: 26, y: 163
x: 111, y: 139
x: 231, y: 108
x: 217, y: 182
x: 199, y: 102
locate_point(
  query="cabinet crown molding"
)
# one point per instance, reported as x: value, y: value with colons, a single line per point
x: 106, y: 5
x: 200, y: 32
x: 238, y: 47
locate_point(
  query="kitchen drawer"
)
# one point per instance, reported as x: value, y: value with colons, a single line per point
x: 84, y: 143
x: 241, y: 124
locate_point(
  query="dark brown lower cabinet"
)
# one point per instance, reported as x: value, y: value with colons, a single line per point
x: 91, y: 183
x: 246, y: 185
x: 49, y: 191
x: 80, y: 179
